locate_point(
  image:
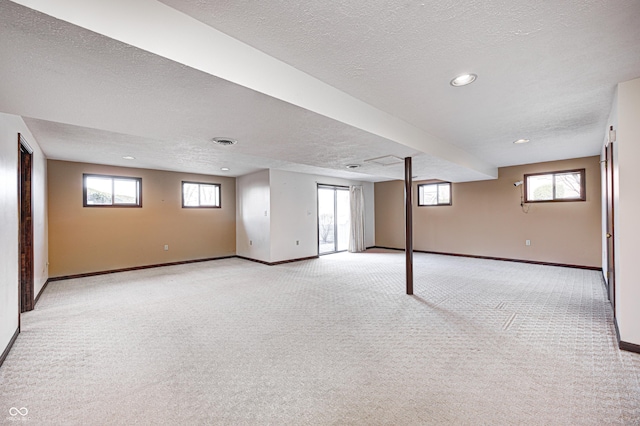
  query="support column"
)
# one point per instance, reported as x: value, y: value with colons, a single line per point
x: 408, y: 223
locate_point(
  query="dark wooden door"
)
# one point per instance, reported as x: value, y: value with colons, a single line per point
x: 611, y: 279
x: 26, y: 227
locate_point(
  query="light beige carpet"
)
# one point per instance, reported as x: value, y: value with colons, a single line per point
x: 327, y: 341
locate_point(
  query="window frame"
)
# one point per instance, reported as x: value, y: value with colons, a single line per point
x: 113, y: 178
x: 219, y: 206
x: 438, y: 204
x: 583, y: 187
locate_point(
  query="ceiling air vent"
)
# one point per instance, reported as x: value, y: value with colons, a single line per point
x: 225, y: 141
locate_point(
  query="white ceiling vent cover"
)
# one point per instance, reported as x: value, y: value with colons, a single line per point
x: 387, y: 160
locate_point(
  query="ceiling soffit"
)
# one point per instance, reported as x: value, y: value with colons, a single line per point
x: 159, y: 29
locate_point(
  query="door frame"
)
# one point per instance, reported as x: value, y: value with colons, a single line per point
x: 335, y: 188
x: 25, y: 227
x: 610, y: 231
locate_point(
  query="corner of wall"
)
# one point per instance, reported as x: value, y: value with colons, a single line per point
x: 253, y: 216
x: 626, y: 204
x: 10, y: 126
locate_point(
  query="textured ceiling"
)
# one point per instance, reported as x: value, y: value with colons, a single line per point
x: 547, y: 72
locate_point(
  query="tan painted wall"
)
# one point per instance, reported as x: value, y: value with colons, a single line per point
x: 389, y: 213
x: 486, y: 219
x: 85, y: 240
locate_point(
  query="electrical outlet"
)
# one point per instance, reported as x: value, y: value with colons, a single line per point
x: 166, y: 247
x: 250, y: 242
x: 297, y: 242
x: 527, y: 242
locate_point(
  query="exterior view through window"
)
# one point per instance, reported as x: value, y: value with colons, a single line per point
x: 198, y: 194
x: 556, y: 186
x: 434, y: 194
x: 112, y: 191
x: 334, y: 219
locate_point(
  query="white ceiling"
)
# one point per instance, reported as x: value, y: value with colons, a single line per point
x: 547, y: 72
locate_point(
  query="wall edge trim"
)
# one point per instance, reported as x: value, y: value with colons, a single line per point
x: 160, y: 265
x: 280, y: 262
x: 629, y: 347
x: 6, y: 351
x: 504, y: 259
x: 46, y: 283
x: 136, y: 268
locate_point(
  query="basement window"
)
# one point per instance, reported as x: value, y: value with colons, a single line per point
x: 200, y: 195
x: 434, y: 194
x: 567, y: 185
x: 111, y: 191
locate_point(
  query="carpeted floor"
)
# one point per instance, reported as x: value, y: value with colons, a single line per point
x: 331, y: 341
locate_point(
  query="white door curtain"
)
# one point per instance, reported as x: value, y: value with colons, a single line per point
x: 356, y: 234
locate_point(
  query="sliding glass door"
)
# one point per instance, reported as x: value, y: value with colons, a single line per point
x: 333, y: 219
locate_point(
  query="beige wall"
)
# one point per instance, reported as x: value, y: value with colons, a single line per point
x: 85, y: 240
x: 486, y: 219
x: 389, y: 213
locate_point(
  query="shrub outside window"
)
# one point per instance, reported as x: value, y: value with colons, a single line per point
x: 200, y: 195
x: 434, y: 194
x: 111, y: 191
x: 568, y: 185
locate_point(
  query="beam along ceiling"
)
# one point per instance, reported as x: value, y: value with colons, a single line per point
x: 313, y: 86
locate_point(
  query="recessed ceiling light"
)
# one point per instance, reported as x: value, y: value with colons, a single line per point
x: 128, y: 157
x: 519, y: 141
x: 352, y: 166
x: 225, y: 141
x: 463, y: 80
x: 225, y: 169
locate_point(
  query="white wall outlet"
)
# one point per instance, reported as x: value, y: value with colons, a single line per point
x: 166, y: 247
x: 527, y: 242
